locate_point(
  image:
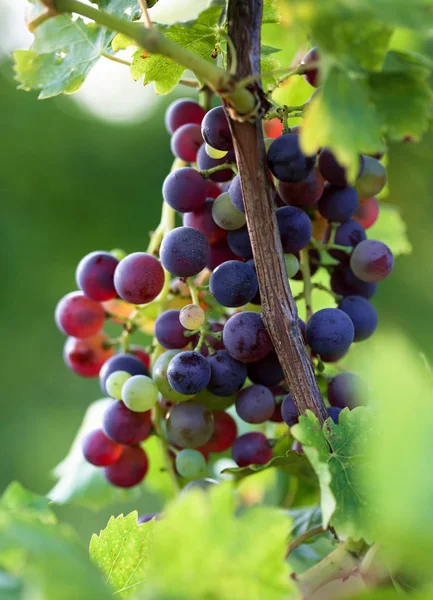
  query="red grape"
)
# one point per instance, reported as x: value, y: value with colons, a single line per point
x: 130, y: 469
x: 125, y: 426
x: 95, y: 275
x: 99, y: 450
x: 79, y: 316
x: 368, y: 212
x: 139, y: 278
x: 224, y: 433
x: 86, y: 356
x: 183, y: 111
x: 251, y: 449
x: 186, y: 142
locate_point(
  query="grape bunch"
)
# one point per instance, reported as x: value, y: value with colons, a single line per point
x: 211, y: 368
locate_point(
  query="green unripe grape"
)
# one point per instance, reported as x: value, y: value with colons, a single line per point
x: 372, y: 179
x: 214, y: 153
x: 226, y: 215
x: 140, y: 393
x: 115, y: 383
x: 213, y: 402
x: 118, y: 253
x: 190, y: 463
x: 159, y: 376
x: 192, y: 316
x: 292, y: 264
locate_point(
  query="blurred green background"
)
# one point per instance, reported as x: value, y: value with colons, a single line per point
x: 71, y: 183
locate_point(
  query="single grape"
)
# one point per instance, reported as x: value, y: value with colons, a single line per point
x: 286, y: 160
x: 362, y: 314
x: 130, y: 469
x: 224, y: 434
x: 240, y: 243
x: 85, y: 357
x: 235, y: 193
x: 251, y: 449
x: 121, y: 362
x: 159, y: 376
x: 189, y: 425
x: 214, y: 402
x: 125, y: 426
x: 186, y: 142
x: 192, y: 317
x: 169, y: 331
x: 114, y: 383
x: 338, y: 204
x: 368, y: 212
x: 184, y: 252
x: 219, y: 254
x: 203, y: 220
x: 334, y: 414
x: 350, y: 233
x: 95, y: 275
x: 295, y: 228
x: 233, y: 284
x: 214, y: 153
x: 345, y: 283
x: 183, y: 111
x: 311, y: 75
x: 99, y: 450
x: 188, y: 373
x: 140, y: 393
x: 330, y: 333
x: 139, y: 278
x: 146, y: 518
x: 215, y: 129
x: 373, y: 178
x: 205, y: 162
x: 199, y: 484
x: 225, y: 214
x: 255, y: 404
x: 292, y: 265
x: 245, y: 337
x: 185, y: 190
x: 227, y: 374
x: 372, y: 261
x: 79, y: 316
x: 347, y: 390
x: 190, y: 463
x: 288, y: 411
x: 266, y: 371
x: 304, y: 193
x: 333, y: 171
x: 273, y: 128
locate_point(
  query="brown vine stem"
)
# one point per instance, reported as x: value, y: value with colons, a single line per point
x: 279, y: 309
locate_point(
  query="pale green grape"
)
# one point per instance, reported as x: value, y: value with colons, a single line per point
x: 192, y: 316
x: 140, y: 393
x: 159, y: 376
x: 115, y: 383
x: 190, y: 463
x: 214, y: 153
x: 292, y: 264
x: 226, y: 215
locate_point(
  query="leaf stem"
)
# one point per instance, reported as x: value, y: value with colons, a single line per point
x: 116, y: 59
x: 223, y: 167
x: 303, y: 537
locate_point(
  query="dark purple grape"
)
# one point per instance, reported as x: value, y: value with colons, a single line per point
x: 219, y: 254
x: 121, y: 362
x: 350, y: 233
x: 186, y: 142
x: 345, y: 283
x: 286, y: 160
x: 139, y: 278
x: 235, y: 193
x: 266, y: 371
x: 188, y: 373
x: 245, y: 337
x: 362, y: 314
x: 372, y: 261
x: 233, y: 284
x: 251, y: 449
x: 79, y: 316
x: 338, y: 204
x: 95, y: 275
x: 204, y: 162
x: 330, y: 333
x: 184, y: 252
x: 129, y: 470
x: 183, y: 111
x: 347, y: 390
x: 295, y: 228
x: 255, y: 404
x: 332, y: 170
x: 85, y: 357
x: 288, y: 411
x: 239, y: 242
x: 169, y: 331
x: 304, y: 193
x: 189, y: 425
x: 215, y: 129
x: 185, y: 190
x: 227, y: 374
x: 99, y: 450
x: 311, y: 75
x: 125, y: 426
x: 202, y: 220
x: 334, y: 414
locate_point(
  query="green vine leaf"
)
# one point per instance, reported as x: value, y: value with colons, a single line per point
x: 338, y: 454
x: 122, y: 552
x: 16, y: 499
x: 199, y: 36
x: 391, y: 229
x: 271, y: 12
x: 129, y: 8
x: 293, y: 464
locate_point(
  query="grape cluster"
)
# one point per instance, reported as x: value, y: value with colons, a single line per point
x: 213, y: 363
